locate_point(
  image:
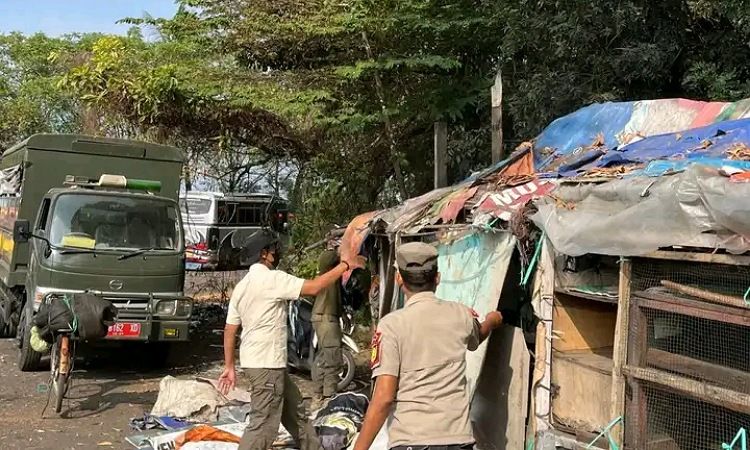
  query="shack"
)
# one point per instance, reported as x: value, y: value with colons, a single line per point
x: 618, y: 239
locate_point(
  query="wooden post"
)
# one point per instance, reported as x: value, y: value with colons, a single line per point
x: 619, y: 354
x: 441, y: 154
x: 636, y: 417
x: 497, y: 119
x: 542, y: 382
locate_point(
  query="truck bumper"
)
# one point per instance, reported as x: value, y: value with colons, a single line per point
x: 150, y: 331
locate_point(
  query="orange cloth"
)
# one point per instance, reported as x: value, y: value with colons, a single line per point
x: 203, y: 433
x: 354, y: 236
x: 523, y: 166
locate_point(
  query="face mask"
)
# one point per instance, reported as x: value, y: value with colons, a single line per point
x: 276, y: 259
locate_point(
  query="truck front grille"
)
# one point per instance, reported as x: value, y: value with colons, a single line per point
x: 130, y: 308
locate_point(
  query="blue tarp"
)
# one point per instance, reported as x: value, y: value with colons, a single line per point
x: 659, y: 154
x: 582, y: 127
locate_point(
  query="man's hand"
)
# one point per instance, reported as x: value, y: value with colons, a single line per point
x: 494, y: 319
x: 227, y: 380
x: 358, y: 262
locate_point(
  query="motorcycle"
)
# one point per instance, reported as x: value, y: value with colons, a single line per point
x: 302, y: 343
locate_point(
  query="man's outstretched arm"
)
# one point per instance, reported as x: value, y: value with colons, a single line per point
x: 378, y: 411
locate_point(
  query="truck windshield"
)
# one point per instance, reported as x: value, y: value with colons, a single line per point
x: 100, y: 221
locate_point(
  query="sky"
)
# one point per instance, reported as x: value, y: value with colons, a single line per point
x: 57, y: 17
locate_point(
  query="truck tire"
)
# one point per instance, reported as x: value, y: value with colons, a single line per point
x: 4, y: 326
x: 28, y: 359
x: 7, y: 328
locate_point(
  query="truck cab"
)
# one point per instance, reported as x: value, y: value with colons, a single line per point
x: 108, y: 234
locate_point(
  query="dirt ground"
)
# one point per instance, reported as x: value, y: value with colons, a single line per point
x: 105, y: 394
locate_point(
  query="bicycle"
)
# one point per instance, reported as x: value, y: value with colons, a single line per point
x: 62, y: 358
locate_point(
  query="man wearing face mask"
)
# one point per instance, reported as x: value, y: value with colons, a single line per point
x: 259, y: 305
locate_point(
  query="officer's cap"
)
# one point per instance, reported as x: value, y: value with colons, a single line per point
x: 416, y: 256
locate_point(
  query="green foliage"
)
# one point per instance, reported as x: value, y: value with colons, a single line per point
x: 342, y: 91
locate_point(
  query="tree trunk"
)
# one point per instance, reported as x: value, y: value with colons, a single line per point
x: 395, y: 154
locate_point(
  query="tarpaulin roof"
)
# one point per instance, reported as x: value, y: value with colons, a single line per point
x: 622, y: 123
x: 648, y: 137
x: 609, y: 141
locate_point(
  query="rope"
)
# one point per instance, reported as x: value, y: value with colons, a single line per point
x: 740, y: 438
x: 605, y: 431
x: 533, y: 262
x: 74, y: 325
x: 745, y: 297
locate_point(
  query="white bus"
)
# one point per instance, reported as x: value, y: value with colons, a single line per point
x: 220, y: 228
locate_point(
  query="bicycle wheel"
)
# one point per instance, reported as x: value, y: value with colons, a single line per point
x: 60, y: 368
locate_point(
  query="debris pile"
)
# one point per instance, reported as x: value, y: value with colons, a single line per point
x: 194, y: 415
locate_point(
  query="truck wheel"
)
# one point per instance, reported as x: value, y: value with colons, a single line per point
x: 28, y: 358
x: 4, y: 326
x: 7, y: 328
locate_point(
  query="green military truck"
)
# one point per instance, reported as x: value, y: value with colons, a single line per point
x: 84, y: 214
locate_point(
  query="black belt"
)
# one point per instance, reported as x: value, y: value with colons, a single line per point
x: 435, y: 447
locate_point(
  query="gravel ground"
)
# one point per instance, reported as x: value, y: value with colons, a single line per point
x: 105, y: 394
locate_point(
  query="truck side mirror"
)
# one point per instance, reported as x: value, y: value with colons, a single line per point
x: 21, y: 231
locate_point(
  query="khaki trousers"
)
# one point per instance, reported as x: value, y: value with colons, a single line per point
x: 276, y: 400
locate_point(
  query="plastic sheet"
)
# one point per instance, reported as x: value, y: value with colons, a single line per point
x: 640, y: 215
x: 10, y: 181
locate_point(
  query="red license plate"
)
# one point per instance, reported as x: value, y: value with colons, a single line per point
x: 124, y: 329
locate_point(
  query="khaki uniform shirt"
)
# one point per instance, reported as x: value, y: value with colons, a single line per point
x: 259, y: 305
x: 424, y: 344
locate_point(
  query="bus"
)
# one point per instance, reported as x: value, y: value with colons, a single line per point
x: 221, y: 229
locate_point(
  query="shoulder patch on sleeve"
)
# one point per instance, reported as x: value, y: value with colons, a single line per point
x: 375, y: 350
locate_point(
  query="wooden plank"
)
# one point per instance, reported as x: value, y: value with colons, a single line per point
x: 706, y: 295
x: 500, y: 404
x: 699, y: 390
x: 636, y: 414
x: 582, y: 325
x: 720, y: 375
x: 692, y: 308
x: 584, y: 384
x: 441, y: 154
x: 713, y: 258
x: 619, y: 354
x: 587, y: 296
x: 497, y: 119
x: 542, y: 300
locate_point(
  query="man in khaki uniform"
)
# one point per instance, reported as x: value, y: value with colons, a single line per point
x: 259, y: 305
x: 418, y: 361
x: 326, y: 314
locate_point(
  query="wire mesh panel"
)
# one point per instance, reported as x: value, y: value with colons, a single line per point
x: 679, y: 422
x: 688, y: 366
x: 715, y: 283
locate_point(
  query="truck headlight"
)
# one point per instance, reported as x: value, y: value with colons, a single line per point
x: 184, y: 308
x: 174, y: 308
x: 166, y: 308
